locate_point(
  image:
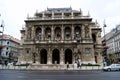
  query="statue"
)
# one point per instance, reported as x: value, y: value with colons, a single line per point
x: 29, y: 33
x: 86, y: 32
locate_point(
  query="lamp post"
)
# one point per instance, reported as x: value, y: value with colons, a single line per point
x: 105, y: 48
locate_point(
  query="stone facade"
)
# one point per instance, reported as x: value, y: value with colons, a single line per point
x: 9, y: 52
x: 60, y: 36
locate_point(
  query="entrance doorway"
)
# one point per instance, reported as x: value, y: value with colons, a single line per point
x: 68, y: 56
x: 43, y: 56
x: 55, y: 56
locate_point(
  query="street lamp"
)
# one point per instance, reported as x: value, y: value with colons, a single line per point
x: 105, y: 47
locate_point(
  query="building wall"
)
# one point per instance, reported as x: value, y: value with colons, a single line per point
x: 114, y: 43
x: 73, y: 37
x: 10, y: 49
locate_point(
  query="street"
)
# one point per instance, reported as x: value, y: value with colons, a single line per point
x: 58, y: 75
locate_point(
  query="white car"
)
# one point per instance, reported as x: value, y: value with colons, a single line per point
x: 112, y: 67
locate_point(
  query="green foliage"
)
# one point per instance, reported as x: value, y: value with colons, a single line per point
x: 111, y: 58
x: 22, y: 65
x: 89, y: 64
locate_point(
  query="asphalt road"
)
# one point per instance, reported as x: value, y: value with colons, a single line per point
x: 58, y: 75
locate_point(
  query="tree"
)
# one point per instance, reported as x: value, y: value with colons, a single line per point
x: 112, y: 58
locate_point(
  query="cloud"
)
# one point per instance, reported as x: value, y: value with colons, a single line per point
x: 14, y: 12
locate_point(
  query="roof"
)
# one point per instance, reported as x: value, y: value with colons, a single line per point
x: 1, y: 46
x: 58, y: 10
x: 5, y: 36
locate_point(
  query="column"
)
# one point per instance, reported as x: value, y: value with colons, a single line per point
x: 62, y: 32
x: 62, y: 56
x: 52, y: 33
x: 72, y: 32
x: 49, y: 58
x: 75, y: 53
x: 43, y: 32
x: 90, y: 32
x: 38, y: 55
x: 43, y: 15
x: 82, y: 32
x: 52, y: 15
x: 62, y: 15
x: 98, y: 38
x: 72, y: 15
x: 26, y: 33
x: 33, y: 33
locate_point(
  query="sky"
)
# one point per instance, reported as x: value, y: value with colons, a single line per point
x: 14, y: 12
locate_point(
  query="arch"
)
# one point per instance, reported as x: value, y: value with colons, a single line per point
x: 94, y: 39
x: 48, y: 32
x: 68, y: 56
x: 38, y: 33
x: 55, y: 56
x: 57, y: 32
x: 43, y: 56
x: 77, y: 32
x: 67, y: 32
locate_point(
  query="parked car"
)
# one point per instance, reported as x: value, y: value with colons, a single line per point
x: 112, y: 67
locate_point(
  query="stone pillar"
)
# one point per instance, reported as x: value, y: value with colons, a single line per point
x: 82, y: 32
x: 62, y: 56
x: 98, y: 38
x: 62, y: 15
x: 43, y: 33
x: 72, y: 15
x: 33, y: 33
x: 49, y: 57
x: 74, y: 51
x: 62, y: 32
x: 25, y: 37
x: 72, y: 32
x: 52, y: 15
x: 40, y: 58
x: 52, y: 33
x: 43, y: 15
x: 38, y: 55
x: 90, y: 32
x: 87, y: 31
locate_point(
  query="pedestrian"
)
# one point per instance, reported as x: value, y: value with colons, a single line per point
x: 104, y: 64
x: 79, y: 63
x: 67, y: 65
x: 75, y: 65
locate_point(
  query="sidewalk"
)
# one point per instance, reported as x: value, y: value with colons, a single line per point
x: 54, y: 68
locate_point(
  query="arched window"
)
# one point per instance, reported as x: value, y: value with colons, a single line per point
x: 58, y: 33
x: 38, y: 34
x: 48, y: 33
x: 77, y: 33
x: 67, y: 32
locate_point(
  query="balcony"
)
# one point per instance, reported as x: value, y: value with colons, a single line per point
x: 54, y: 40
x: 58, y: 17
